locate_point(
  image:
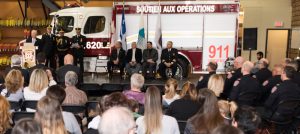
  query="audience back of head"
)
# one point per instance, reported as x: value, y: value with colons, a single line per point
x: 216, y: 84
x: 137, y: 81
x: 226, y: 129
x: 27, y: 126
x: 14, y: 81
x: 189, y: 91
x: 38, y: 80
x: 246, y: 119
x: 171, y: 87
x: 68, y: 59
x: 56, y: 92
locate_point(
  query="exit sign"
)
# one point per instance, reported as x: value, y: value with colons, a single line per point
x: 278, y: 24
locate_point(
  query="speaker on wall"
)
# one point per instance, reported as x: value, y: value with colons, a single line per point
x: 250, y: 39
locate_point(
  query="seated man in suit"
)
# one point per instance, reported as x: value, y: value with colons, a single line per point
x: 169, y: 58
x: 36, y: 41
x: 68, y: 66
x: 150, y: 57
x: 41, y: 63
x: 133, y: 59
x: 117, y: 58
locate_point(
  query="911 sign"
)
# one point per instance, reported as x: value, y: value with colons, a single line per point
x: 217, y: 52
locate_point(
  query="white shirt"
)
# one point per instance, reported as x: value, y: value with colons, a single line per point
x: 33, y: 40
x: 169, y: 125
x: 94, y: 124
x: 13, y: 96
x: 169, y: 101
x: 71, y: 123
x: 133, y: 54
x: 31, y: 95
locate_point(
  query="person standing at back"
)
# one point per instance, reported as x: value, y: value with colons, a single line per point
x: 78, y: 44
x: 49, y: 41
x: 35, y: 41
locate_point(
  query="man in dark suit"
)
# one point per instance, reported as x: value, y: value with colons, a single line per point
x: 41, y: 64
x: 150, y: 57
x: 263, y: 73
x: 203, y: 80
x: 78, y: 43
x: 36, y: 41
x: 169, y: 57
x: 133, y: 59
x: 117, y: 58
x: 68, y: 66
x: 16, y: 64
x: 62, y: 46
x: 49, y: 41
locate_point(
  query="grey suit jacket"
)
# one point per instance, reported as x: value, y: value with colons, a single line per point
x: 150, y: 55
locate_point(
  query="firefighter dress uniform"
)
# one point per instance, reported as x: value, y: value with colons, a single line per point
x: 78, y: 44
x: 49, y: 41
x: 62, y: 46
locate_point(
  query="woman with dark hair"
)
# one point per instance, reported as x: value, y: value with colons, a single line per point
x: 187, y: 105
x: 153, y: 121
x: 27, y: 126
x: 208, y: 117
x: 49, y: 116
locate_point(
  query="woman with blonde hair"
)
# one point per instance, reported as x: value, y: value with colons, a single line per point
x: 227, y: 110
x: 5, y: 115
x: 13, y: 90
x: 153, y: 121
x: 187, y: 105
x: 216, y: 84
x: 39, y: 82
x: 49, y: 116
x: 170, y: 92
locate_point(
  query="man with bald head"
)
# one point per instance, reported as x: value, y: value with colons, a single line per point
x: 68, y: 66
x: 245, y: 84
x: 36, y: 41
x: 233, y: 76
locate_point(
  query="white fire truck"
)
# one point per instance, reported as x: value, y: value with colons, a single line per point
x: 202, y: 31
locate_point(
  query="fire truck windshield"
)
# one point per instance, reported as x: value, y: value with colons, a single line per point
x: 66, y: 23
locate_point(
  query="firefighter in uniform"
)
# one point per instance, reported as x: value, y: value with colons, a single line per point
x: 245, y: 84
x: 263, y: 73
x: 169, y: 58
x: 49, y: 41
x: 62, y: 45
x: 78, y: 44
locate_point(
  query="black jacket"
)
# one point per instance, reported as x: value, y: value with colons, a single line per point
x: 138, y: 55
x: 168, y: 57
x: 114, y: 55
x: 150, y: 54
x: 62, y: 44
x: 183, y: 109
x: 268, y: 85
x: 81, y: 40
x: 61, y: 72
x: 262, y: 75
x: 49, y: 41
x: 37, y: 43
x: 202, y: 83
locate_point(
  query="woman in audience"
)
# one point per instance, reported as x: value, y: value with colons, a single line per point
x: 227, y: 110
x: 216, y: 84
x: 5, y: 115
x: 208, y: 117
x: 185, y: 107
x: 49, y: 116
x: 136, y: 83
x: 227, y: 129
x: 13, y: 90
x: 153, y: 121
x: 27, y: 126
x: 170, y: 92
x: 38, y: 84
x: 58, y: 93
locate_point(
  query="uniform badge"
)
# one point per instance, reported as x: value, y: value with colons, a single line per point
x: 266, y: 83
x: 254, y: 76
x: 274, y: 89
x: 236, y: 83
x: 201, y: 78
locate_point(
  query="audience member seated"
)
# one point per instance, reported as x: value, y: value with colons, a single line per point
x: 68, y: 66
x: 74, y: 96
x: 117, y: 120
x: 13, y: 90
x: 232, y: 77
x: 16, y: 64
x: 117, y: 58
x: 114, y: 99
x: 271, y: 82
x: 208, y: 117
x: 245, y: 84
x: 40, y: 80
x: 41, y: 61
x: 203, y: 80
x: 226, y: 129
x: 5, y: 115
x: 227, y: 110
x: 153, y: 120
x: 150, y: 57
x: 27, y: 126
x: 263, y: 73
x: 134, y: 105
x: 216, y: 84
x: 2, y: 77
x: 286, y: 61
x: 170, y: 92
x: 246, y: 119
x: 136, y: 84
x: 284, y: 91
x: 49, y: 116
x: 187, y: 106
x: 133, y: 59
x: 56, y: 92
x: 169, y: 59
x: 296, y: 77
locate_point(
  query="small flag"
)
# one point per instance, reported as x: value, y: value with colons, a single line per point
x: 158, y: 37
x: 141, y: 37
x: 123, y: 30
x: 113, y: 28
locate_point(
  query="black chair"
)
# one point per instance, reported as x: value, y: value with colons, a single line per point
x: 29, y: 104
x: 75, y: 109
x: 248, y: 98
x: 91, y: 89
x: 15, y: 105
x: 108, y: 88
x: 181, y: 125
x: 91, y: 131
x: 20, y: 115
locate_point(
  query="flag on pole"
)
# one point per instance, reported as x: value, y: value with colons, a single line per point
x: 113, y: 28
x: 158, y: 37
x: 123, y: 30
x: 141, y: 37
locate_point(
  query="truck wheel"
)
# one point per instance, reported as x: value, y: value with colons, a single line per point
x: 182, y: 70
